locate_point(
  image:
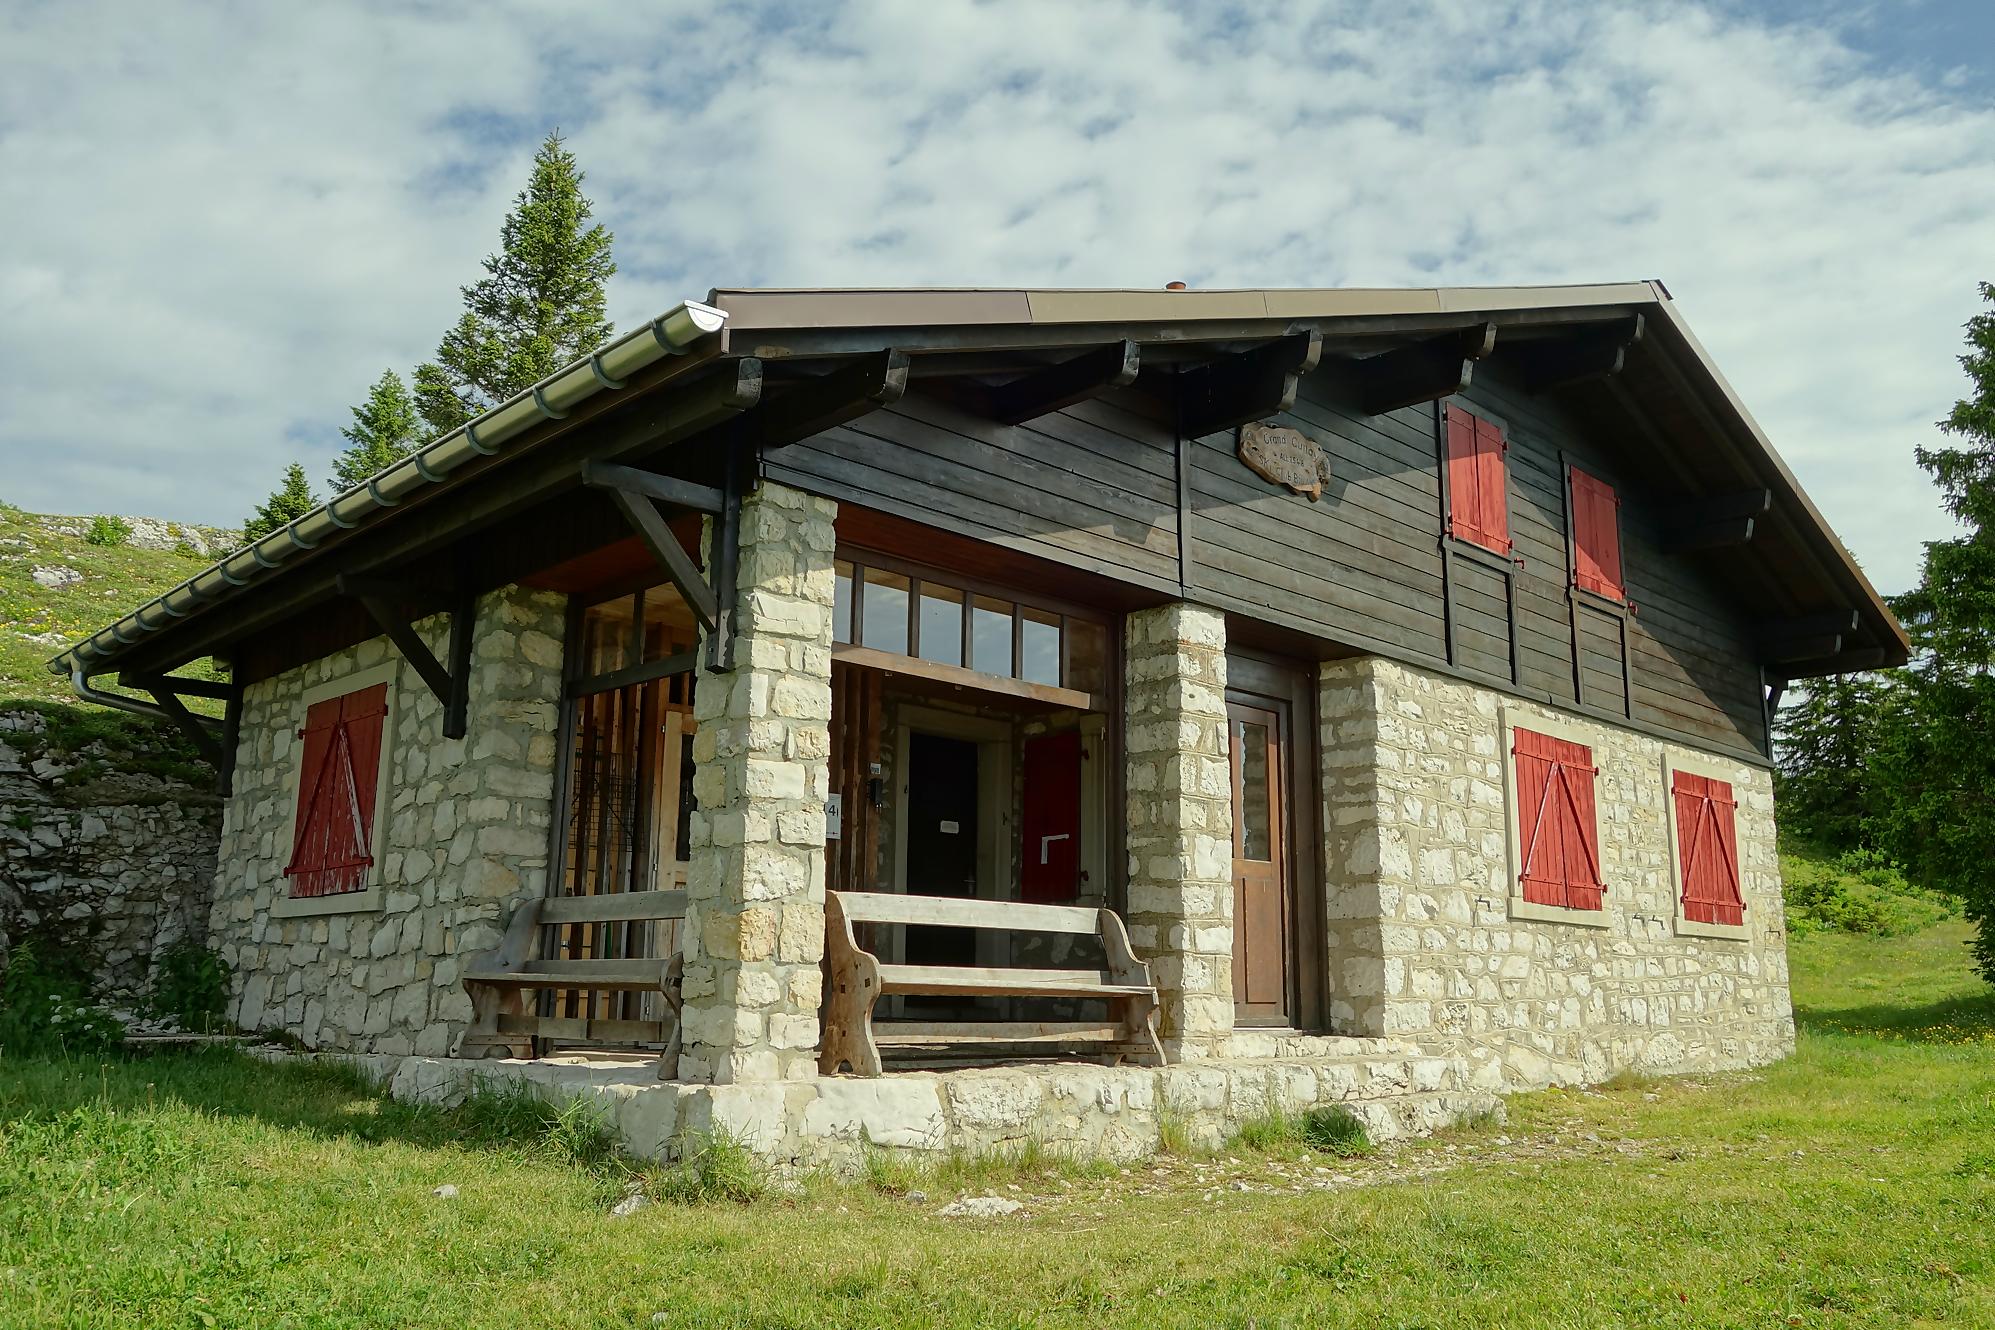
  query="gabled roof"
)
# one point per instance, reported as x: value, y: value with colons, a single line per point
x: 1802, y: 571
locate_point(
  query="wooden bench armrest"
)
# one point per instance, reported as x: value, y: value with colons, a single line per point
x: 519, y: 945
x: 1123, y: 963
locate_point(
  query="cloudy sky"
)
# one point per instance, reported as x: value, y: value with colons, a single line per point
x: 220, y: 223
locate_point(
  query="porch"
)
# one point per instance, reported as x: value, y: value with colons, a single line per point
x: 1078, y: 1108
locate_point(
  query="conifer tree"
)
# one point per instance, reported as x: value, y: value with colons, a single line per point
x: 286, y: 504
x: 540, y: 305
x: 385, y: 429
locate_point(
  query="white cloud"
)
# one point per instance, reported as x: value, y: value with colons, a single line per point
x: 220, y: 225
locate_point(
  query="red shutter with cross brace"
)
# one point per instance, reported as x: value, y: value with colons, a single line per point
x: 1557, y: 834
x: 1707, y: 849
x: 333, y: 833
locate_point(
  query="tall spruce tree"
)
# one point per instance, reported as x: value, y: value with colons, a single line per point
x: 286, y: 504
x: 385, y: 429
x: 1938, y: 764
x: 540, y: 305
x: 1828, y: 736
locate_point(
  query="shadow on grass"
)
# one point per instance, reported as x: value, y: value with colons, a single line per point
x: 1968, y: 1020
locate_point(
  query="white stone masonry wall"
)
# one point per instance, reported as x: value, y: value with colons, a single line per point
x: 754, y: 936
x: 467, y: 841
x: 1421, y: 942
x: 1180, y: 792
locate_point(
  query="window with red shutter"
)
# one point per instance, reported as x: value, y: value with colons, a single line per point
x: 1478, y: 486
x: 333, y: 833
x: 1596, y: 536
x: 1558, y: 837
x: 1707, y: 849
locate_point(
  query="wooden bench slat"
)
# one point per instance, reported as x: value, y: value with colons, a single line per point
x: 883, y: 907
x: 575, y: 974
x: 994, y: 1032
x: 598, y: 1031
x: 613, y: 907
x: 970, y: 980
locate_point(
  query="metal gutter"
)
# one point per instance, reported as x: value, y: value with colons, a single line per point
x: 673, y: 333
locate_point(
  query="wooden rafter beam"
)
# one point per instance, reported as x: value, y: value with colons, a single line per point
x: 1716, y: 508
x: 218, y: 690
x: 1555, y: 362
x: 1249, y: 386
x: 828, y: 401
x: 1422, y: 371
x: 1810, y: 626
x: 1845, y: 662
x: 1793, y: 650
x: 1044, y: 391
x: 1723, y: 533
x: 665, y: 489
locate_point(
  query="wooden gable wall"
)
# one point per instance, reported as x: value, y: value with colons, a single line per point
x: 1365, y: 569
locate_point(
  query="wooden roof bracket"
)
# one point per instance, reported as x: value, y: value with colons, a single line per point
x: 1812, y: 637
x: 214, y: 741
x: 1423, y: 371
x: 1041, y: 392
x: 1718, y: 522
x: 1249, y: 386
x: 1558, y: 362
x: 813, y: 406
x: 384, y: 600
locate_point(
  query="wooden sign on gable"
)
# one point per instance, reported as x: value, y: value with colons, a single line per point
x: 1284, y: 456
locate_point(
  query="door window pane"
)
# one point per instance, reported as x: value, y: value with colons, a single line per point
x: 1039, y: 646
x: 1087, y: 656
x: 990, y: 636
x: 841, y: 608
x: 1250, y: 741
x: 941, y: 625
x: 883, y: 611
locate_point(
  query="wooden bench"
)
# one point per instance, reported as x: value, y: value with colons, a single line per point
x: 856, y: 979
x: 497, y: 980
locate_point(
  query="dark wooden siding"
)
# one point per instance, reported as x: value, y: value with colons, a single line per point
x: 1096, y: 487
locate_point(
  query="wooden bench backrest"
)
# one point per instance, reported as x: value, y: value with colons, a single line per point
x: 879, y: 907
x: 613, y: 907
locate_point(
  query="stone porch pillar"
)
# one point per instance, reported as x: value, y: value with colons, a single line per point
x: 754, y: 934
x: 1181, y: 819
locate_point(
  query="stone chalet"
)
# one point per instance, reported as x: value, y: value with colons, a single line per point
x: 1179, y: 703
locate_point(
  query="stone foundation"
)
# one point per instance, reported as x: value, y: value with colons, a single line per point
x: 1422, y: 942
x: 1079, y: 1109
x: 466, y: 841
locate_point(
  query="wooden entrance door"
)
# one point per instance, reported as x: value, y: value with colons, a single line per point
x: 1257, y: 742
x: 942, y: 840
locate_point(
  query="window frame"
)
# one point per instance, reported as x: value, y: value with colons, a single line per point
x: 1521, y: 909
x: 1692, y: 764
x: 284, y: 905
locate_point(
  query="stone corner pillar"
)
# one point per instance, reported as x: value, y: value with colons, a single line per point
x: 753, y: 942
x: 1180, y: 820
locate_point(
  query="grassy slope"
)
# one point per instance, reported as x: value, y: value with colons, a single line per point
x: 115, y: 582
x: 1852, y: 1185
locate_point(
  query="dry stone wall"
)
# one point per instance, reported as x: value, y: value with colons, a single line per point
x: 119, y: 865
x: 1421, y: 939
x: 467, y: 833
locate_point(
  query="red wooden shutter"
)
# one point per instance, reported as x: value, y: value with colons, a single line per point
x: 1052, y: 818
x: 1707, y: 849
x: 1556, y: 827
x: 336, y: 786
x: 1478, y: 498
x: 1596, y: 536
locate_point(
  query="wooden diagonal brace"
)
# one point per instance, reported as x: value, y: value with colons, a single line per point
x: 1250, y: 386
x: 644, y: 518
x: 205, y: 740
x: 382, y: 600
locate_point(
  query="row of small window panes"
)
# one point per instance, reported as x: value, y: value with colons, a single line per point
x: 892, y: 612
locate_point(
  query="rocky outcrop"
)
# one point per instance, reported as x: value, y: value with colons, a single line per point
x: 116, y: 862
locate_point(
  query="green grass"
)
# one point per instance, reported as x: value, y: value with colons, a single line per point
x: 36, y: 621
x: 1851, y: 1185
